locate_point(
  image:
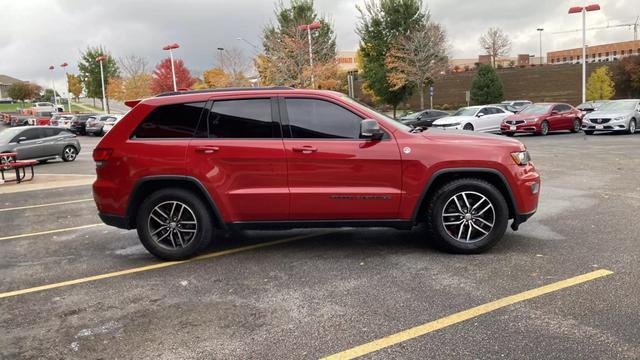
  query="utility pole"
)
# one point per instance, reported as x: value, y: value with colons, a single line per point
x: 308, y: 28
x: 540, y: 30
x: 583, y: 10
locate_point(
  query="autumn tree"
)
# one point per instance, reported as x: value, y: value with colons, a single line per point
x: 417, y: 58
x: 495, y: 44
x: 382, y: 24
x: 75, y: 85
x: 90, y: 72
x: 234, y: 64
x: 626, y: 75
x: 162, y: 79
x: 20, y: 91
x: 286, y: 49
x: 115, y: 89
x: 216, y: 78
x: 486, y: 86
x: 137, y: 86
x: 600, y: 86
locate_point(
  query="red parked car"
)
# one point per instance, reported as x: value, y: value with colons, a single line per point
x: 180, y: 166
x: 540, y: 118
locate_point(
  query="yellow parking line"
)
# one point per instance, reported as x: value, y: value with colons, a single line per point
x: 463, y: 315
x: 45, y: 205
x: 49, y: 232
x: 157, y: 266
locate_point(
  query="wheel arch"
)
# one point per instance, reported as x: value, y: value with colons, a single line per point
x: 441, y: 177
x: 148, y: 185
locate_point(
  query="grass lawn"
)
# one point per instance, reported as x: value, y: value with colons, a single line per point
x: 13, y: 107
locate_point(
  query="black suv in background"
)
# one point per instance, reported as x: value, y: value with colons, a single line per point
x: 79, y: 123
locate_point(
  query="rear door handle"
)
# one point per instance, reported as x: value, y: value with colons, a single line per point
x: 305, y: 149
x: 207, y: 149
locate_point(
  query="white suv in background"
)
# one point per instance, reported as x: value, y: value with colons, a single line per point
x: 110, y: 122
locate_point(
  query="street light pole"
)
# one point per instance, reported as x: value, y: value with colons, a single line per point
x: 100, y: 59
x: 583, y: 10
x: 173, y: 70
x: 53, y: 86
x: 64, y: 66
x: 308, y: 28
x: 254, y: 46
x: 540, y: 30
x: 220, y: 50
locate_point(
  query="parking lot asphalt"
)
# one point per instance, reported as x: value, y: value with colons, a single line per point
x: 92, y: 291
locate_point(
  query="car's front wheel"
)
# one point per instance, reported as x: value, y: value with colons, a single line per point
x: 632, y: 126
x: 576, y: 126
x: 467, y: 216
x: 544, y: 128
x: 174, y: 224
x: 69, y: 153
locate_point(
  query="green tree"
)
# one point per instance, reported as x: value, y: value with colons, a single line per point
x: 20, y: 91
x: 626, y: 75
x: 600, y: 86
x: 486, y: 87
x: 90, y: 72
x: 382, y: 24
x: 286, y: 49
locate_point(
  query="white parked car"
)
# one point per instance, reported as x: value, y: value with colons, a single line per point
x: 110, y: 122
x: 617, y: 115
x: 485, y: 118
x: 46, y: 107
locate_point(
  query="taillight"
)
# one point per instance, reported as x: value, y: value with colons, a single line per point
x: 101, y: 155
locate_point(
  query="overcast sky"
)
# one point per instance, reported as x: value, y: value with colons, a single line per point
x: 38, y: 33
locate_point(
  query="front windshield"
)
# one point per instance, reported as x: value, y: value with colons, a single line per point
x: 618, y: 106
x: 8, y: 134
x: 466, y: 112
x: 397, y: 124
x: 536, y: 109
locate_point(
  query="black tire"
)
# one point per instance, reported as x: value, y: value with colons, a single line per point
x: 632, y: 127
x: 588, y: 132
x: 509, y: 134
x: 544, y: 128
x: 576, y: 125
x: 442, y: 200
x: 468, y: 127
x: 69, y: 153
x: 196, y: 208
x: 43, y: 161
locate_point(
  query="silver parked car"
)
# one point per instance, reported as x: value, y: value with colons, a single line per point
x: 40, y: 143
x: 617, y: 115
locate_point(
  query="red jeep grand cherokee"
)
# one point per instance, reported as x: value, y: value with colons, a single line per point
x: 540, y: 118
x: 181, y: 165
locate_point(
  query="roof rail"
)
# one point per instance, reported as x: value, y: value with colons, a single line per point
x: 171, y: 93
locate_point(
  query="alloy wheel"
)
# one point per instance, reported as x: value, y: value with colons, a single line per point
x: 468, y: 216
x: 172, y: 225
x: 632, y: 126
x: 70, y: 153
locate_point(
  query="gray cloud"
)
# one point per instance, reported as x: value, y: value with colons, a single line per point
x: 38, y: 33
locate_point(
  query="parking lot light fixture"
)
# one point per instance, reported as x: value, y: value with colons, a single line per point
x: 170, y: 48
x: 100, y: 59
x: 53, y: 85
x: 308, y: 27
x: 583, y: 11
x: 540, y: 30
x: 64, y: 66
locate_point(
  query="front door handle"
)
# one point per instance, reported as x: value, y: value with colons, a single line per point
x: 207, y: 149
x: 305, y: 149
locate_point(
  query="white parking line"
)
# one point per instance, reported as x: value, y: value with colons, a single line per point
x: 45, y: 205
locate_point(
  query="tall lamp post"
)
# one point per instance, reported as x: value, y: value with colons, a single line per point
x: 540, y: 30
x: 220, y: 51
x: 308, y: 27
x: 583, y: 10
x: 64, y: 66
x: 100, y: 59
x: 170, y: 47
x: 53, y: 86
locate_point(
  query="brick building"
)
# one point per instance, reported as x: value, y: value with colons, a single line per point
x: 597, y: 53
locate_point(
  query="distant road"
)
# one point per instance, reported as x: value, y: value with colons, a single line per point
x: 114, y: 106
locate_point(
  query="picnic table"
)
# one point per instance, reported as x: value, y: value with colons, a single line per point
x: 9, y: 162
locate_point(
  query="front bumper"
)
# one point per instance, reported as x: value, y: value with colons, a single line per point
x: 519, y: 128
x: 620, y: 125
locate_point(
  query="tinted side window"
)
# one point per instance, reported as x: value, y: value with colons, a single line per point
x: 557, y: 108
x: 497, y: 111
x: 49, y: 132
x: 30, y: 134
x: 170, y: 121
x: 486, y: 111
x: 246, y: 119
x: 310, y: 118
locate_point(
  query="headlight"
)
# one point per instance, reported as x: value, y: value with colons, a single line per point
x: 532, y: 120
x: 521, y: 157
x: 618, y: 118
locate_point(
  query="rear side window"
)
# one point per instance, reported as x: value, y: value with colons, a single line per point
x: 242, y: 119
x: 48, y: 132
x: 170, y: 121
x: 311, y: 118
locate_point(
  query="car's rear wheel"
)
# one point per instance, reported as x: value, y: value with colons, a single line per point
x: 576, y: 126
x: 544, y: 128
x: 468, y: 127
x: 467, y: 216
x: 69, y: 153
x: 632, y: 126
x: 174, y: 224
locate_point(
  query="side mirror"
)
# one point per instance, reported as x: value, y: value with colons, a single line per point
x: 21, y: 139
x: 370, y: 129
x: 480, y: 115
